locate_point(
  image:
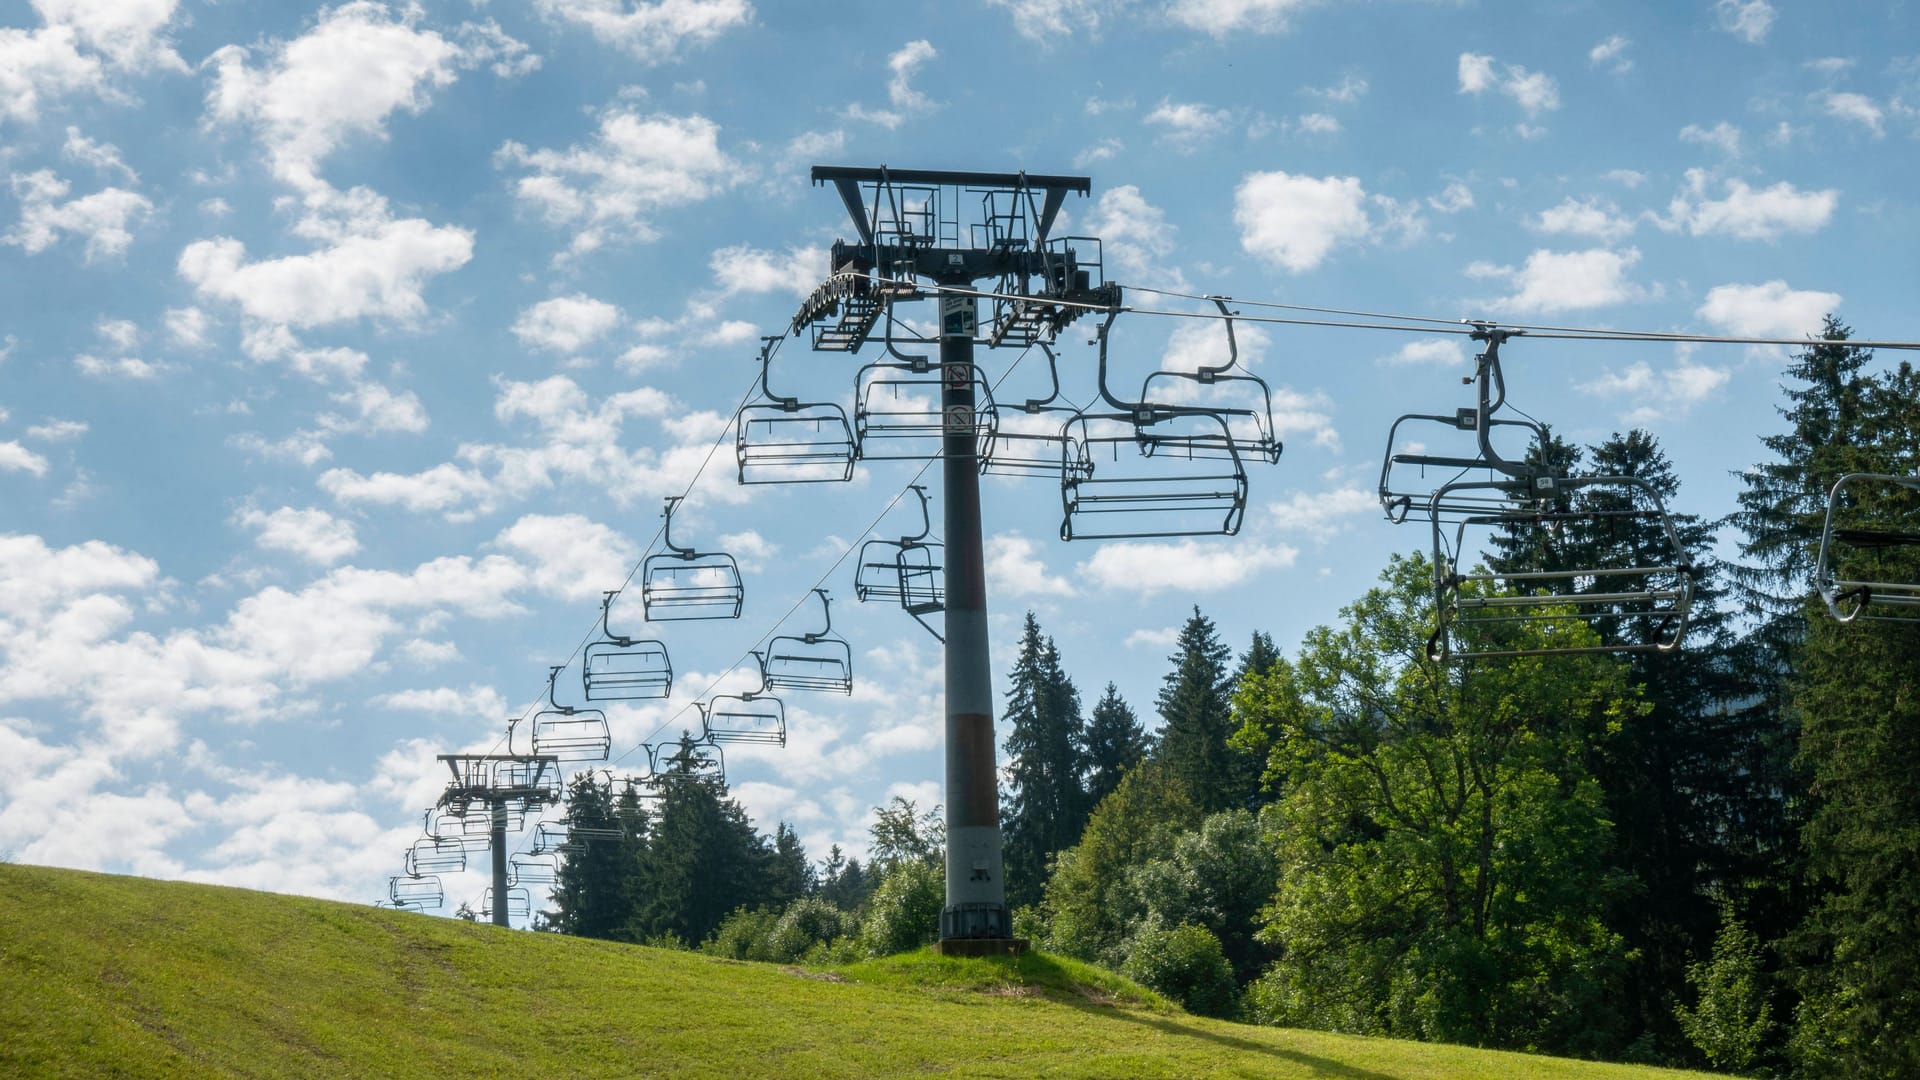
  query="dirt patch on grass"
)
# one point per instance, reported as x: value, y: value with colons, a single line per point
x: 817, y: 976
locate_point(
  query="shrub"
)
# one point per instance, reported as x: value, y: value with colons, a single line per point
x: 904, y: 911
x: 1186, y: 965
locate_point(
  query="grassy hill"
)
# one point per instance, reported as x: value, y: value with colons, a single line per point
x: 116, y: 976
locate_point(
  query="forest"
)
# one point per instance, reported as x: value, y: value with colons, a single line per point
x: 1702, y: 857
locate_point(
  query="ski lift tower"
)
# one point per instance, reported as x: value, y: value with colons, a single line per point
x: 916, y: 226
x: 504, y: 787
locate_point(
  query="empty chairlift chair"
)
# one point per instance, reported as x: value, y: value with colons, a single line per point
x: 436, y: 855
x: 527, y: 868
x: 780, y: 439
x: 1869, y: 562
x: 519, y: 902
x: 686, y: 760
x: 909, y: 571
x: 567, y: 733
x: 416, y: 893
x: 817, y: 660
x: 683, y: 583
x: 898, y: 414
x: 752, y: 717
x: 1242, y: 401
x: 1032, y: 440
x: 620, y: 668
x: 1589, y: 564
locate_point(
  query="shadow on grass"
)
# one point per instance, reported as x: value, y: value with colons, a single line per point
x: 1171, y: 1025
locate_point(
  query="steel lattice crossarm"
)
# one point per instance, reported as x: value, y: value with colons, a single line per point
x: 911, y: 224
x: 521, y: 781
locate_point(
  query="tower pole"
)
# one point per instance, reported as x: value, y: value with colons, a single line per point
x: 498, y: 846
x: 976, y: 906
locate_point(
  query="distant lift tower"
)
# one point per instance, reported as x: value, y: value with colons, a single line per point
x: 504, y: 788
x: 956, y: 229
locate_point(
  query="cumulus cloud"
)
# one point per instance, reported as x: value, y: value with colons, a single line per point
x: 572, y: 556
x: 1771, y: 309
x: 1592, y: 217
x: 566, y: 324
x: 1188, y: 124
x: 313, y: 535
x: 1857, y: 109
x: 78, y: 47
x: 102, y: 219
x: 1533, y: 91
x: 1184, y: 566
x: 1748, y: 20
x: 1747, y: 213
x: 1295, y: 222
x: 742, y: 268
x: 1439, y: 352
x: 1666, y: 394
x: 1723, y: 136
x: 1553, y: 281
x: 650, y: 32
x: 634, y: 167
x: 1452, y: 199
x: 1321, y: 514
x: 1015, y: 567
x: 1134, y: 234
x: 17, y: 458
x: 1223, y: 17
x: 1612, y: 54
x: 482, y: 702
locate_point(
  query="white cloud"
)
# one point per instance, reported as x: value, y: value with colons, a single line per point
x: 42, y: 64
x: 903, y: 64
x: 313, y: 535
x: 573, y: 557
x: 188, y: 327
x: 1452, y: 199
x: 1295, y: 222
x: 102, y: 218
x: 1042, y: 20
x: 1351, y: 88
x: 119, y: 367
x: 1533, y: 91
x: 1771, y: 309
x: 1858, y: 109
x: 635, y: 166
x: 1188, y: 124
x: 1321, y: 514
x: 1317, y: 124
x: 477, y: 702
x: 1163, y: 638
x: 1722, y: 135
x: 1612, y: 53
x: 1748, y: 20
x: 78, y: 46
x: 743, y: 268
x: 1626, y: 178
x: 1748, y: 213
x: 375, y: 266
x: 1015, y: 567
x: 1439, y: 352
x: 17, y: 458
x: 650, y: 32
x: 56, y: 430
x: 566, y: 324
x: 1567, y: 280
x: 102, y: 156
x: 1668, y: 394
x: 1134, y: 234
x: 377, y: 409
x: 1593, y: 217
x: 1185, y: 566
x: 1223, y: 17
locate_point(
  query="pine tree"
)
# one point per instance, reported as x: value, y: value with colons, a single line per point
x: 590, y: 894
x: 702, y: 861
x: 1198, y: 718
x: 1114, y: 743
x: 1042, y: 803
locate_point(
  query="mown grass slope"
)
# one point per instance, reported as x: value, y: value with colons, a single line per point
x: 114, y: 976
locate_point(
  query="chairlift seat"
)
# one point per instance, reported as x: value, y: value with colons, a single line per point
x: 745, y: 718
x: 416, y: 892
x: 898, y: 413
x: 810, y: 662
x: 626, y: 670
x: 701, y: 585
x: 685, y: 759
x: 1112, y: 489
x: 527, y: 868
x: 1409, y: 479
x: 519, y: 902
x: 434, y: 855
x: 1641, y: 606
x: 1867, y: 568
x: 572, y: 734
x: 812, y: 443
x: 910, y: 573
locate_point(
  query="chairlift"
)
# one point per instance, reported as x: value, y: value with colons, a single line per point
x: 620, y: 668
x: 682, y: 583
x: 435, y: 855
x: 908, y: 571
x: 687, y: 759
x: 1241, y: 399
x: 469, y: 830
x: 751, y: 717
x: 549, y: 837
x: 1869, y: 562
x: 1640, y: 604
x: 817, y: 660
x: 898, y: 412
x: 527, y: 868
x: 1032, y: 440
x: 416, y: 892
x: 519, y: 902
x: 567, y: 733
x: 783, y: 440
x: 1481, y: 481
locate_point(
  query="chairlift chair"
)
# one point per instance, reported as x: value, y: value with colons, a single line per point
x: 682, y: 583
x: 620, y: 668
x: 687, y: 759
x: 752, y: 717
x: 1639, y: 604
x: 527, y: 868
x: 898, y: 414
x: 416, y: 892
x: 549, y: 837
x: 519, y: 902
x: 782, y: 439
x: 1241, y: 399
x: 470, y: 830
x: 1869, y: 561
x: 1031, y: 440
x: 1111, y: 488
x: 436, y: 855
x: 817, y: 660
x: 909, y: 571
x: 568, y: 733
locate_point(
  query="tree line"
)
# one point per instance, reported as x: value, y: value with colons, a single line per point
x: 1703, y: 857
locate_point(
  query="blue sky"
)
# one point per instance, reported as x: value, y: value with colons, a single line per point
x: 349, y: 351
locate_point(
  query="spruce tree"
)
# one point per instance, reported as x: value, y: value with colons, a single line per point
x: 1114, y: 742
x: 1042, y: 803
x: 590, y: 893
x: 1198, y: 718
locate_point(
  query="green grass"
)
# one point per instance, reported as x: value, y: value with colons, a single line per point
x: 112, y: 976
